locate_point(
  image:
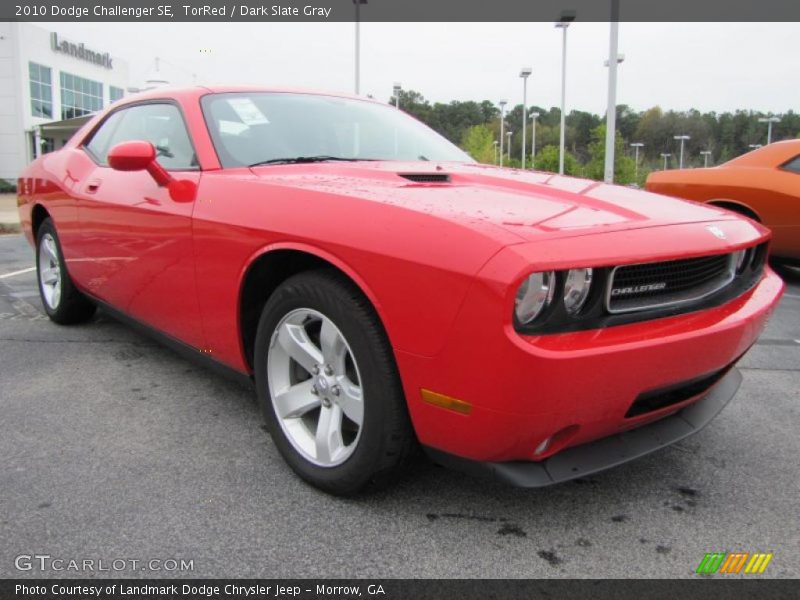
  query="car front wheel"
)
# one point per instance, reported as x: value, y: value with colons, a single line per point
x: 328, y: 384
x: 62, y: 301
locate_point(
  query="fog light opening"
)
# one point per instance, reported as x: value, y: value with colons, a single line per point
x: 540, y: 449
x: 555, y: 442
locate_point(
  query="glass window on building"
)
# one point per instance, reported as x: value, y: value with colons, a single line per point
x: 115, y: 93
x: 41, y: 90
x: 79, y: 96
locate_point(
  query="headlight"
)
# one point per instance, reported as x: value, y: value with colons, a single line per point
x: 534, y: 295
x: 576, y: 289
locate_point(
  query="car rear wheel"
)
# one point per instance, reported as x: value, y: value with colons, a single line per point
x: 328, y: 384
x: 62, y: 302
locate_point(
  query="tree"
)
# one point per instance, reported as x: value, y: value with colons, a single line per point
x: 727, y: 135
x: 478, y: 142
x: 580, y: 125
x: 547, y: 160
x: 624, y: 167
x: 415, y: 104
x: 627, y: 122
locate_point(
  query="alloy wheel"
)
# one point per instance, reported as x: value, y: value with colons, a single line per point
x: 49, y: 271
x: 315, y: 387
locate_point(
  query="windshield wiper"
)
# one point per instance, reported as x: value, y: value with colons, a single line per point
x: 307, y: 159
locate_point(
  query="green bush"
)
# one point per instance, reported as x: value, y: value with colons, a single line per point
x: 7, y: 186
x: 547, y: 160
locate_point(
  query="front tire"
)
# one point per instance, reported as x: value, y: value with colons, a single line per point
x: 328, y: 384
x: 61, y: 300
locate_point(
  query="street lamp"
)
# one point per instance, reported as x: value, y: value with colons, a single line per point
x: 705, y: 154
x: 502, y: 104
x: 508, y: 133
x: 665, y: 156
x: 620, y: 59
x: 524, y: 73
x: 396, y: 87
x: 636, y: 146
x: 611, y: 112
x: 358, y: 4
x: 682, y: 138
x: 563, y: 23
x: 769, y: 121
x: 495, y: 151
x: 533, y: 135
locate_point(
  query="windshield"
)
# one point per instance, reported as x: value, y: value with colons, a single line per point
x: 254, y: 128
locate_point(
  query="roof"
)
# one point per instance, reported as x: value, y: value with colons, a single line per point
x: 66, y: 126
x: 201, y: 90
x: 772, y: 154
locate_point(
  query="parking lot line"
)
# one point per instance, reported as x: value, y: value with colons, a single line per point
x: 20, y: 272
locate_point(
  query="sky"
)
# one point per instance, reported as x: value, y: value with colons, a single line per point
x: 708, y: 66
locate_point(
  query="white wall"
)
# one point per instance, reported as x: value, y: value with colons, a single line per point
x: 12, y: 141
x: 21, y: 43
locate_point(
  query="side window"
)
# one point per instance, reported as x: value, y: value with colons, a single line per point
x: 100, y: 143
x: 793, y: 165
x: 159, y: 124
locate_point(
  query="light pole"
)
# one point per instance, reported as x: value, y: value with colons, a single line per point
x: 665, y: 156
x: 508, y: 133
x: 682, y: 138
x: 705, y: 154
x: 563, y: 24
x: 358, y: 4
x: 636, y: 146
x: 611, y: 113
x: 502, y: 104
x: 495, y: 151
x: 397, y: 89
x: 524, y: 73
x: 769, y: 121
x: 533, y: 141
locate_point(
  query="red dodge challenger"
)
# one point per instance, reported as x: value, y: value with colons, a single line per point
x: 382, y: 290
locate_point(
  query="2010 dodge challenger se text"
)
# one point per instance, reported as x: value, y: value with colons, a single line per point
x: 383, y: 290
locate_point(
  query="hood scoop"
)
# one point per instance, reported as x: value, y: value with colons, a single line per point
x: 426, y: 177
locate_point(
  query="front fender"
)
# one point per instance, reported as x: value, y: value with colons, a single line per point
x: 414, y: 269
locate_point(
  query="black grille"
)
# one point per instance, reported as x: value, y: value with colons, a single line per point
x: 642, y: 286
x: 426, y: 177
x: 674, y: 394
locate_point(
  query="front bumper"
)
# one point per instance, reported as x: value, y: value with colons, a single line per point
x: 608, y: 452
x: 570, y: 389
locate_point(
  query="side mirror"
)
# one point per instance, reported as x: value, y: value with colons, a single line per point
x: 131, y: 156
x: 141, y: 156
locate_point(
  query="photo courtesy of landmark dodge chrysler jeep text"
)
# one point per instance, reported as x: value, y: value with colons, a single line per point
x: 382, y: 290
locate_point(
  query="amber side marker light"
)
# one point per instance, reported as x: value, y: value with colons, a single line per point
x: 447, y: 402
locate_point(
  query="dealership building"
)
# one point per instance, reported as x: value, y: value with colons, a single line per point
x: 49, y: 85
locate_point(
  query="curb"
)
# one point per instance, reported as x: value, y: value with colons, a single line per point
x: 6, y: 228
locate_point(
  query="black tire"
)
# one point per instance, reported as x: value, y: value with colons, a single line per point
x: 386, y: 436
x: 72, y: 306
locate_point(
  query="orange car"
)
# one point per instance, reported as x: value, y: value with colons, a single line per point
x: 763, y: 184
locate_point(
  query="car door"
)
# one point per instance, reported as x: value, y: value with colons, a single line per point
x: 137, y: 239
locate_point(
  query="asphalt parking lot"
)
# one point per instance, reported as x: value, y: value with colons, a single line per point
x: 114, y: 447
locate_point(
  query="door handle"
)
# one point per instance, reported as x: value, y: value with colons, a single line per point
x: 93, y: 186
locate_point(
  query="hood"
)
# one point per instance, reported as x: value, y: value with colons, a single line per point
x: 531, y: 205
